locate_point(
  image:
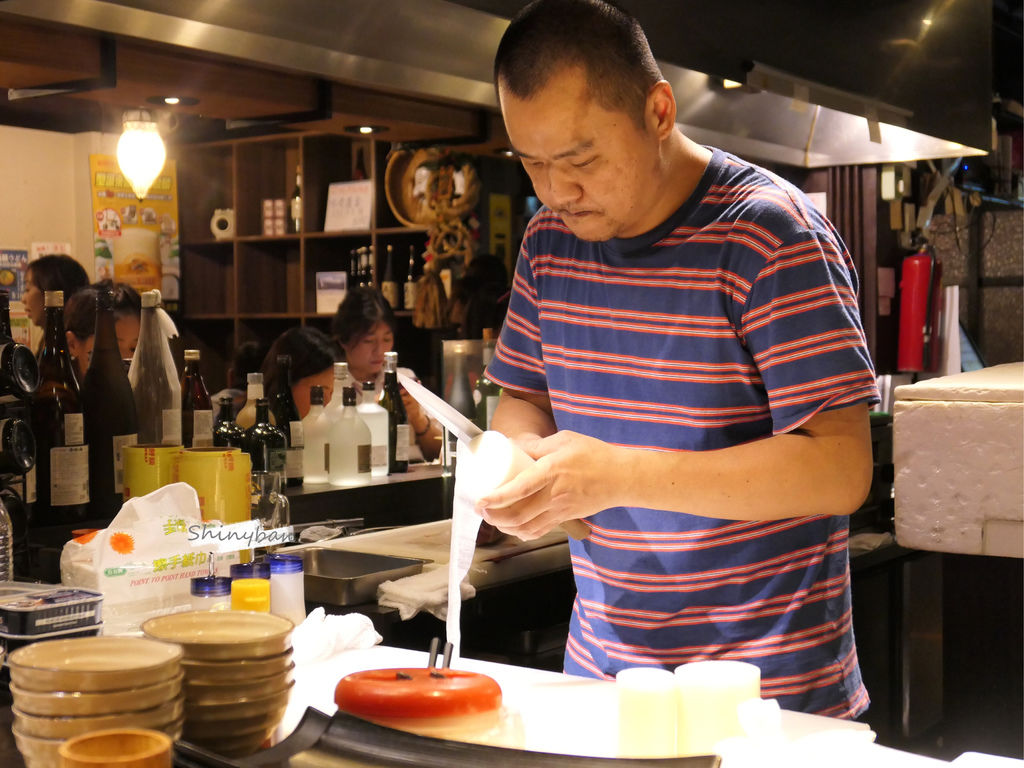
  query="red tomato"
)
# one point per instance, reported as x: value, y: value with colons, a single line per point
x: 415, y: 692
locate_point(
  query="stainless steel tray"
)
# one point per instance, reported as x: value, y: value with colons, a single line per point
x: 340, y: 577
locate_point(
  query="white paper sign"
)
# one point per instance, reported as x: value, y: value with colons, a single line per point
x: 349, y: 206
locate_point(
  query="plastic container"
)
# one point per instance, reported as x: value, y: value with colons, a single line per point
x: 255, y: 570
x: 250, y: 595
x: 9, y: 643
x: 211, y: 593
x: 287, y: 590
x: 50, y: 610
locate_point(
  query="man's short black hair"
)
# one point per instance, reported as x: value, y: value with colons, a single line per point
x: 548, y: 36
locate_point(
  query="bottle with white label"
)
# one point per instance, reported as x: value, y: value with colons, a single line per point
x: 196, y: 408
x: 348, y: 451
x: 398, y: 423
x: 108, y: 410
x: 62, y: 457
x: 342, y: 379
x: 154, y: 379
x: 376, y: 419
x: 315, y: 428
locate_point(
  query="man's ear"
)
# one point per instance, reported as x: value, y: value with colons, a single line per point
x: 660, y: 109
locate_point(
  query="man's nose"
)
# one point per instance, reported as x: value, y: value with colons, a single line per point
x: 563, y: 190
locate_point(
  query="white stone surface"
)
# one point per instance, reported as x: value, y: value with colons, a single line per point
x: 958, y: 455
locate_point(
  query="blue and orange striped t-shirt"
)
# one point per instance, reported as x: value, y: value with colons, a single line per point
x: 734, y: 320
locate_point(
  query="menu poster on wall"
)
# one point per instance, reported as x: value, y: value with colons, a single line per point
x: 136, y: 241
x: 13, y: 264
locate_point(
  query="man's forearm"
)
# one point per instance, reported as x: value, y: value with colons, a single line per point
x: 520, y: 415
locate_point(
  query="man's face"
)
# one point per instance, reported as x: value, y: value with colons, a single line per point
x: 595, y: 168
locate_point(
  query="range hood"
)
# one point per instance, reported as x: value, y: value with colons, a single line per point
x: 441, y: 51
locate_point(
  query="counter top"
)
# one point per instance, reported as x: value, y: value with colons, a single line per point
x: 576, y: 715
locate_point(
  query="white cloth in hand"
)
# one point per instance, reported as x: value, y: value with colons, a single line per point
x: 426, y: 591
x: 321, y: 636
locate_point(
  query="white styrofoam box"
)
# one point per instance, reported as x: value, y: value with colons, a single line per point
x: 958, y: 455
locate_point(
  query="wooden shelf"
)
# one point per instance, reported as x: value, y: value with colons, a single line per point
x: 262, y: 285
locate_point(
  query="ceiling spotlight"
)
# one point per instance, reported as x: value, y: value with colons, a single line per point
x: 365, y: 130
x: 140, y: 151
x: 173, y: 101
x: 731, y: 84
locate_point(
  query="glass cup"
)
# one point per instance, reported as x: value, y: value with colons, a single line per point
x: 267, y: 503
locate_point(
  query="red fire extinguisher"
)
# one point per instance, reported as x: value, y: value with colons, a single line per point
x: 920, y: 303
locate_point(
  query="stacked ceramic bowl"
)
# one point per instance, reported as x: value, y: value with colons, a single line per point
x: 238, y: 675
x: 64, y: 688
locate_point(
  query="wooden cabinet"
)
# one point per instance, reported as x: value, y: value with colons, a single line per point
x: 255, y: 286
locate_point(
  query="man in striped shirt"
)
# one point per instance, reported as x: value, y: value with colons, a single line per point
x: 683, y: 356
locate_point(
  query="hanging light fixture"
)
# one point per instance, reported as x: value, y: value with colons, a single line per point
x: 140, y: 151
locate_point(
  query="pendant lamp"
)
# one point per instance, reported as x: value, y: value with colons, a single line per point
x: 140, y: 151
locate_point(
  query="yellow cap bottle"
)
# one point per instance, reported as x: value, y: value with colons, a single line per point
x: 250, y: 595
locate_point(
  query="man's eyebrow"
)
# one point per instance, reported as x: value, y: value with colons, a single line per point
x: 583, y: 146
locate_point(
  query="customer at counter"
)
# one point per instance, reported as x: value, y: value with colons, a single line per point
x: 684, y: 358
x: 53, y: 272
x: 364, y: 328
x: 313, y: 355
x: 80, y: 322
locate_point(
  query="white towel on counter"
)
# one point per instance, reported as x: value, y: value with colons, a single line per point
x: 426, y: 591
x: 321, y: 636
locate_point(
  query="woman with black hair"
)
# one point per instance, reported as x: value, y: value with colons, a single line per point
x: 312, y: 354
x: 364, y: 328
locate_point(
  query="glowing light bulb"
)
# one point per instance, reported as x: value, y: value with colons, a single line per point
x: 140, y: 151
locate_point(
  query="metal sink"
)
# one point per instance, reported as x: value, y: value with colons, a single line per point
x: 340, y: 577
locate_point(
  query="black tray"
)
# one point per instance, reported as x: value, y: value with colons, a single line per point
x: 344, y: 740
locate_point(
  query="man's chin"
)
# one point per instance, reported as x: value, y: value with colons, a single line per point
x: 591, y: 228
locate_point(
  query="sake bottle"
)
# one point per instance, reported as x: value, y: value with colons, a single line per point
x: 286, y: 416
x: 226, y: 433
x: 315, y: 432
x: 154, y: 378
x: 398, y: 422
x: 266, y: 445
x: 62, y: 457
x: 196, y: 409
x: 349, y: 441
x: 108, y: 411
x: 376, y: 419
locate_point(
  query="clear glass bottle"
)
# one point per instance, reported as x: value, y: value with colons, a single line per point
x: 154, y: 379
x: 62, y: 457
x: 376, y: 419
x: 108, y: 410
x: 226, y: 433
x: 266, y: 445
x: 286, y: 415
x: 348, y: 453
x: 196, y: 408
x: 398, y: 422
x: 211, y: 593
x: 315, y: 431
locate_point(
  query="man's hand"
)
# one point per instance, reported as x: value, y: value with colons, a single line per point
x: 571, y: 479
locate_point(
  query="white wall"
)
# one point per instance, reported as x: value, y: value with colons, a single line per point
x: 44, y: 188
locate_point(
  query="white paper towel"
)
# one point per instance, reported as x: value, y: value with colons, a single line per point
x: 465, y: 524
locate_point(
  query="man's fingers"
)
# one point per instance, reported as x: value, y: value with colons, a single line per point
x: 522, y: 486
